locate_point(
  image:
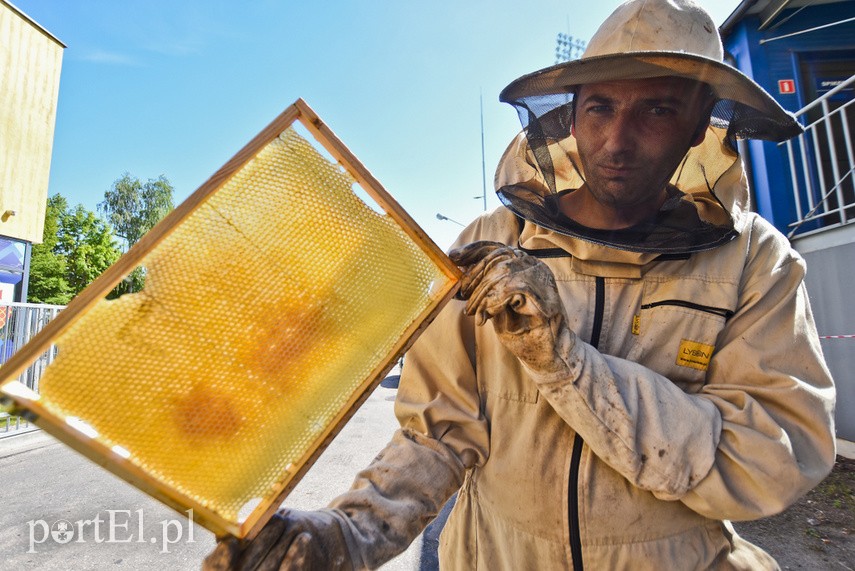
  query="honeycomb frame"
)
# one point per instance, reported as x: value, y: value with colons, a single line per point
x: 17, y: 397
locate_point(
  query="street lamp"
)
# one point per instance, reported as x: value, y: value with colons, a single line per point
x: 441, y: 217
x: 567, y: 48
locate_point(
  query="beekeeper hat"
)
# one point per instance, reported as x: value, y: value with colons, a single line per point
x: 656, y: 38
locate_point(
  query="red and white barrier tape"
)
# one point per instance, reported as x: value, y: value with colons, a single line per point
x: 837, y: 336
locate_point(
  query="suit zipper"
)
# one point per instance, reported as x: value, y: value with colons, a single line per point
x: 576, y: 457
x: 573, y: 501
x: 721, y: 312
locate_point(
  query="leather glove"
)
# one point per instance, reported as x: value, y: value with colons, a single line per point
x: 518, y: 293
x: 290, y: 540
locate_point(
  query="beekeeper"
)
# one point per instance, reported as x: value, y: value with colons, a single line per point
x: 633, y: 363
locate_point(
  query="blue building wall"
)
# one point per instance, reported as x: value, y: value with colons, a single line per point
x: 779, y: 60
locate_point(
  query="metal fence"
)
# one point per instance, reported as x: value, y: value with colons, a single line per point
x: 19, y: 322
x: 822, y: 162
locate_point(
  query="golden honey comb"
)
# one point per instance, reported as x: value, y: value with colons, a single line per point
x: 268, y: 313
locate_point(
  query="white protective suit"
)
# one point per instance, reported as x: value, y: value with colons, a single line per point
x: 699, y: 395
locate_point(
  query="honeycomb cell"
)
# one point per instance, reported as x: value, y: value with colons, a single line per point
x: 262, y: 313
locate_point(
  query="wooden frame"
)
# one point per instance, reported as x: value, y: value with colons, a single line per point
x: 18, y: 398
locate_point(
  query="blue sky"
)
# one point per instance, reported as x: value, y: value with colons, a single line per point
x: 176, y: 87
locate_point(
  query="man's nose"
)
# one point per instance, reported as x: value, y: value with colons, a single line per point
x: 622, y: 134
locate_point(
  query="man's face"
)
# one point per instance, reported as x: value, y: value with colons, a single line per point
x: 632, y: 135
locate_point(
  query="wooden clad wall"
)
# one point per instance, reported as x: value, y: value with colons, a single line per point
x: 30, y: 63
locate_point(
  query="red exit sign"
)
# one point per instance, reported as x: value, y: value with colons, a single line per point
x: 786, y: 86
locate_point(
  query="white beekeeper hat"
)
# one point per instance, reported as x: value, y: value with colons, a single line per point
x: 656, y: 38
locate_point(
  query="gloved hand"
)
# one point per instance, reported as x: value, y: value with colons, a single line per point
x: 518, y: 293
x: 290, y: 540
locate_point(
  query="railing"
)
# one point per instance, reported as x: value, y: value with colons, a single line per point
x: 18, y: 323
x: 822, y: 164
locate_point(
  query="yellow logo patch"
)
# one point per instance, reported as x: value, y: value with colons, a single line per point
x: 636, y: 325
x: 695, y: 355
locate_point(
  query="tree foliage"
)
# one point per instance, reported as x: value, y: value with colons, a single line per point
x: 48, y: 283
x: 88, y: 245
x: 77, y: 247
x: 133, y: 208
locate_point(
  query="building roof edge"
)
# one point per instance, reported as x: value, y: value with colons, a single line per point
x: 38, y: 26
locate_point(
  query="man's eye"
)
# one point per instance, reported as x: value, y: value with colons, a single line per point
x: 661, y: 111
x: 599, y: 109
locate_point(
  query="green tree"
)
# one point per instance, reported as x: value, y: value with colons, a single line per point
x: 88, y: 245
x: 48, y: 283
x: 77, y: 247
x: 133, y: 208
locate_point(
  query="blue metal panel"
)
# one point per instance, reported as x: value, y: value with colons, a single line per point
x: 770, y: 186
x: 769, y: 62
x: 12, y: 254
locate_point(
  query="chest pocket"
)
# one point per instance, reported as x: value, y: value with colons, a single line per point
x: 677, y: 328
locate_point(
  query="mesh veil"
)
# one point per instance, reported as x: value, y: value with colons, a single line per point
x: 680, y: 226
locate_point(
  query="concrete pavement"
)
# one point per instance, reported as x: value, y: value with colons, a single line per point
x: 53, y: 499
